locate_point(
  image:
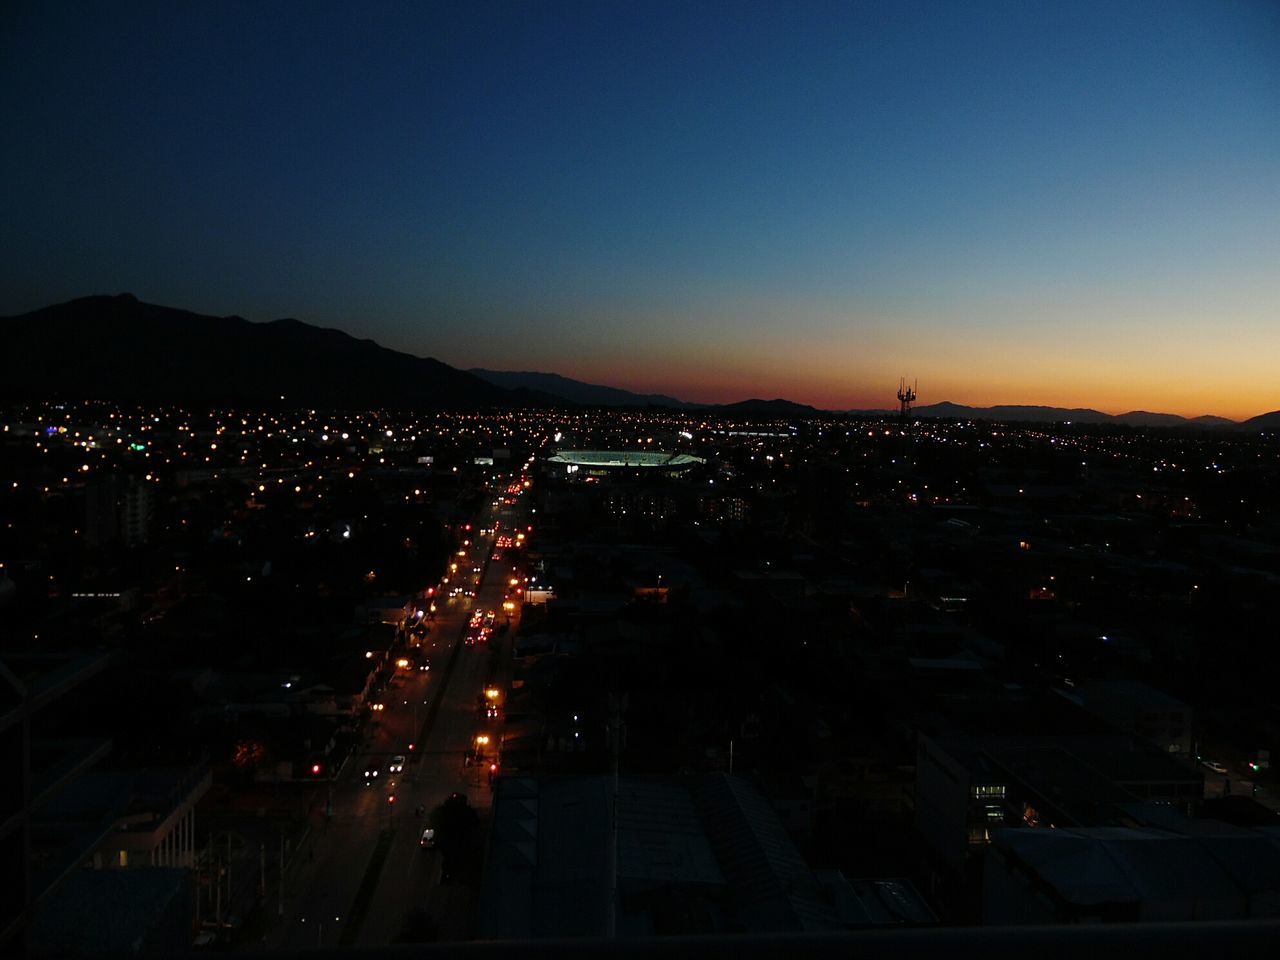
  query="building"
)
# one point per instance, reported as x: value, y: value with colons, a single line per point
x: 157, y: 827
x: 117, y: 511
x: 663, y: 857
x: 1142, y: 710
x: 969, y: 787
x: 46, y: 830
x: 599, y: 463
x: 1188, y: 870
x: 117, y: 912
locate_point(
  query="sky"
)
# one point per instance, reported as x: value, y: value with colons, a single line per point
x: 1074, y: 204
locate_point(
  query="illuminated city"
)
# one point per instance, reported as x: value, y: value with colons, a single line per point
x: 583, y: 479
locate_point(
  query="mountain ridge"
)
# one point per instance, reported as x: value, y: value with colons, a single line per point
x: 118, y: 347
x: 577, y: 391
x: 591, y: 394
x: 1034, y: 413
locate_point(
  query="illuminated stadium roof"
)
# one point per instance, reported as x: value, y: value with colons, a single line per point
x: 624, y: 458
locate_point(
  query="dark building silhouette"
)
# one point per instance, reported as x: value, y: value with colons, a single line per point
x: 45, y: 835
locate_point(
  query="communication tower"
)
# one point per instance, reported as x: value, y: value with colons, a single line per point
x: 906, y: 397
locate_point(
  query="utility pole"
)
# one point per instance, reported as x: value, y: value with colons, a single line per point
x: 615, y: 745
x: 199, y: 887
x: 280, y: 885
x: 228, y: 871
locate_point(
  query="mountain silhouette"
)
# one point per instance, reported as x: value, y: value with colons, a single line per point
x: 597, y: 395
x: 768, y: 408
x: 577, y: 391
x: 1023, y: 413
x: 1263, y: 421
x: 118, y: 348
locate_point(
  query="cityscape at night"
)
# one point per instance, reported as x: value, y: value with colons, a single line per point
x: 761, y: 480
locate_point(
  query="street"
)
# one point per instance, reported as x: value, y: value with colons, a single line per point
x: 365, y: 870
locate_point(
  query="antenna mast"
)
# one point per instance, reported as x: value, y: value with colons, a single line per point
x: 906, y: 397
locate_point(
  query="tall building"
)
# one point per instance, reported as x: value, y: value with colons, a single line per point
x: 44, y: 834
x: 117, y: 511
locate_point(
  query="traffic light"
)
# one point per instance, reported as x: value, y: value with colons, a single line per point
x: 317, y: 769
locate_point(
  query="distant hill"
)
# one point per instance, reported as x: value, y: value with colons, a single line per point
x: 576, y: 391
x: 591, y: 394
x: 1263, y: 421
x: 1144, y: 418
x: 768, y: 408
x: 118, y: 348
x: 122, y: 349
x: 1017, y: 413
x: 1212, y: 421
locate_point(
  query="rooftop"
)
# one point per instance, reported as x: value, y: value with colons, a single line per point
x: 624, y: 458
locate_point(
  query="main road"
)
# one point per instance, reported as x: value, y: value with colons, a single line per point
x: 365, y: 871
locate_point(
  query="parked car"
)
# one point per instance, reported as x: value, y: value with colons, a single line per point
x: 1216, y: 767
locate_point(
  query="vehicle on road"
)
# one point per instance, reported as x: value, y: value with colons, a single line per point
x: 1215, y: 766
x: 371, y: 773
x: 428, y: 839
x: 396, y: 764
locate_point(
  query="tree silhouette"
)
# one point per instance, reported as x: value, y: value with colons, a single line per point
x: 457, y: 827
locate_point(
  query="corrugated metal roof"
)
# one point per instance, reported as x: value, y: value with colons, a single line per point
x: 1125, y: 865
x: 766, y: 873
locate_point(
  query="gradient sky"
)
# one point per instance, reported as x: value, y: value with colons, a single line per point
x: 1072, y: 204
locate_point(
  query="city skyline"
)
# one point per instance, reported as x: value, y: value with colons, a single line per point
x: 1013, y: 205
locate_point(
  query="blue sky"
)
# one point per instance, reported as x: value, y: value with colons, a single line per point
x: 1014, y: 202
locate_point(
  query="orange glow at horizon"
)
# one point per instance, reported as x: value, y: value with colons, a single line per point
x: 859, y: 395
x: 1110, y: 391
x: 1114, y: 353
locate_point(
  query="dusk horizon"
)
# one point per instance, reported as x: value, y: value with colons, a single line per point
x: 1071, y: 206
x: 878, y: 397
